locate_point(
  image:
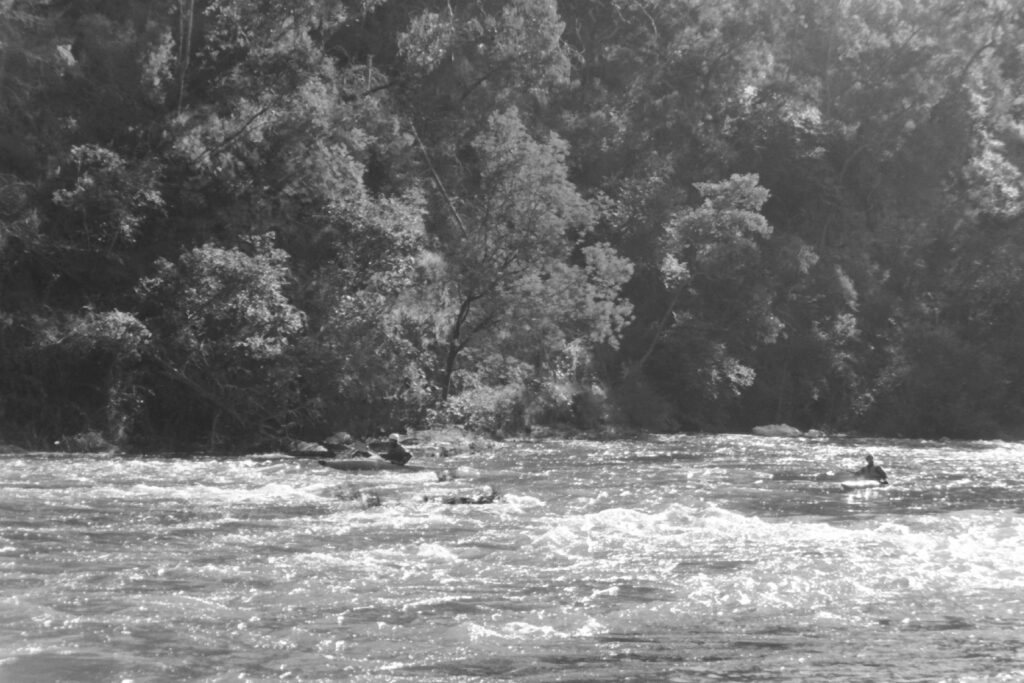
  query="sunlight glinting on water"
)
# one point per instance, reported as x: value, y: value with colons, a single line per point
x: 679, y: 558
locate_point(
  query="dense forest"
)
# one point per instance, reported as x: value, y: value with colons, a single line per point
x: 227, y: 223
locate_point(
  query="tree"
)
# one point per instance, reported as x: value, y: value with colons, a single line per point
x: 289, y: 133
x: 77, y: 185
x: 720, y: 305
x: 516, y: 202
x: 223, y: 332
x: 506, y: 282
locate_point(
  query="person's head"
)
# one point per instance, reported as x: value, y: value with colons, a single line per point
x: 870, y: 459
x: 393, y: 438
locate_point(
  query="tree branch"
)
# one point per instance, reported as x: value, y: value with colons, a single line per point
x: 437, y: 181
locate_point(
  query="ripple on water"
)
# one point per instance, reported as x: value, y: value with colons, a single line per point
x: 679, y: 558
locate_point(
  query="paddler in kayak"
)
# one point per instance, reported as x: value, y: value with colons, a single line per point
x: 872, y: 471
x: 396, y: 452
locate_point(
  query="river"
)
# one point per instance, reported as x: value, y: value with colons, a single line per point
x: 683, y: 558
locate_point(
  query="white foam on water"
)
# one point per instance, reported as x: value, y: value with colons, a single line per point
x: 436, y: 551
x: 659, y: 553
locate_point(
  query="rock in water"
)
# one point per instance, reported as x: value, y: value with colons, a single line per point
x: 481, y: 496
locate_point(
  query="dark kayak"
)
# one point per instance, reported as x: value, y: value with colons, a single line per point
x: 369, y: 465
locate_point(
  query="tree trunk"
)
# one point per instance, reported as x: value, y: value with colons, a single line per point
x: 455, y: 345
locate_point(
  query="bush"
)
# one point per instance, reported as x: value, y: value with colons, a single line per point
x: 491, y: 410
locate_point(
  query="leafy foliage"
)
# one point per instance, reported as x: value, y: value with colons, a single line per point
x: 226, y: 328
x: 507, y: 281
x: 236, y: 222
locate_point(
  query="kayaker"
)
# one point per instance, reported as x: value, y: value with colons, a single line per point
x: 396, y: 452
x: 872, y: 471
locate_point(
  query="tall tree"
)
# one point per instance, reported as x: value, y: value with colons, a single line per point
x: 517, y: 273
x: 506, y: 282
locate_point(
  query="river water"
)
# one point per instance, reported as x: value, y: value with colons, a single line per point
x: 686, y: 558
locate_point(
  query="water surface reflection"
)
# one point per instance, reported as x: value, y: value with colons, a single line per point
x: 683, y: 558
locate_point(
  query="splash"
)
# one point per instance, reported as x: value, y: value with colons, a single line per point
x: 667, y: 559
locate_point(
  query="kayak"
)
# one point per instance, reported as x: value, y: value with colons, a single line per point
x: 369, y: 465
x: 859, y: 484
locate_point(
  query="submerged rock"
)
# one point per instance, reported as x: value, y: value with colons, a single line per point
x: 444, y: 442
x: 369, y: 499
x: 447, y: 474
x: 480, y: 496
